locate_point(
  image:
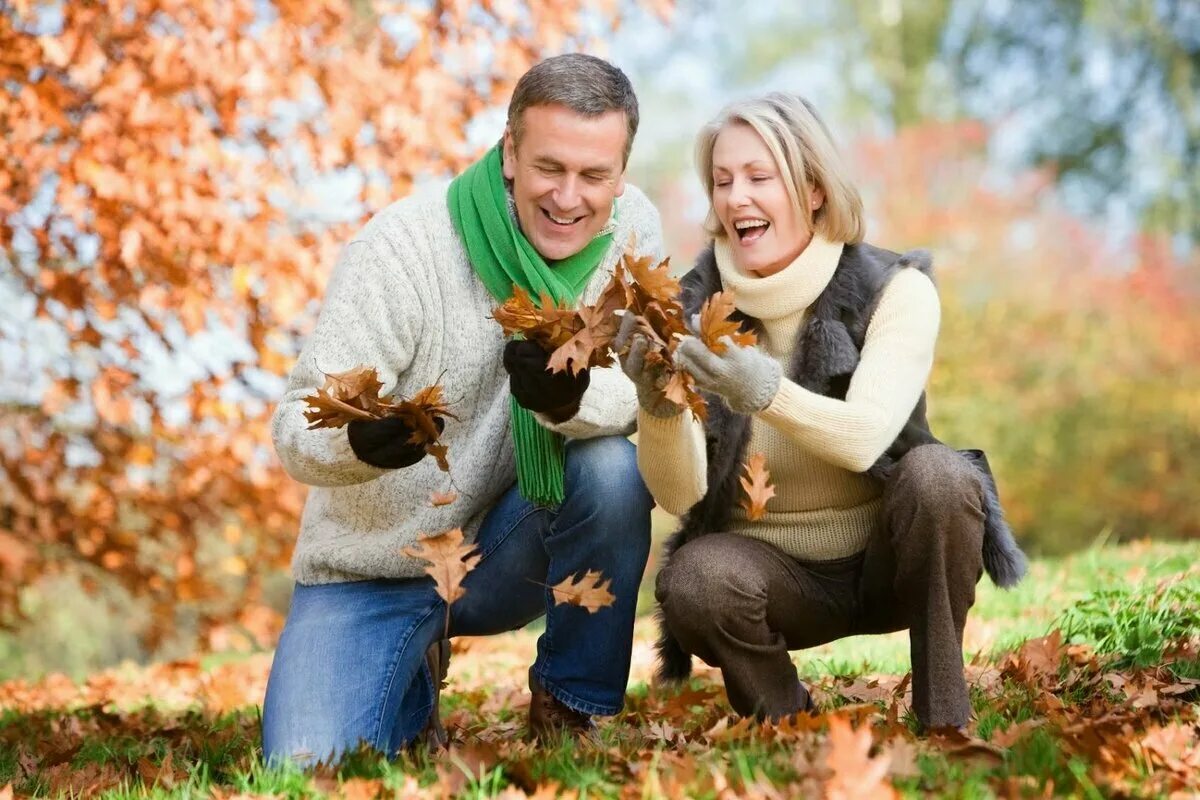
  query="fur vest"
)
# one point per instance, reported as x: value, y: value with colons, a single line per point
x: 825, y: 357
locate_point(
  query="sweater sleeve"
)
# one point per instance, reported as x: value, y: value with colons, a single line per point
x: 896, y: 359
x: 370, y: 316
x: 672, y: 459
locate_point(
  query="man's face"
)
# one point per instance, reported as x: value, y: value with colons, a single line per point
x: 565, y: 174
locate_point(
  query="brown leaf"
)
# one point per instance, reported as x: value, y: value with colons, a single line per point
x: 855, y: 774
x: 757, y: 487
x: 589, y: 591
x: 449, y: 561
x: 653, y: 279
x: 715, y: 323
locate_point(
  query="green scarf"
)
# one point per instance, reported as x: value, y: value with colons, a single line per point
x: 504, y: 258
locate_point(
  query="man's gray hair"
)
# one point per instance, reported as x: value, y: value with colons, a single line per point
x: 585, y: 84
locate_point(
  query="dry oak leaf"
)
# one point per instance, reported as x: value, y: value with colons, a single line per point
x: 756, y: 484
x: 855, y: 774
x: 548, y: 323
x: 354, y: 395
x: 590, y: 591
x: 715, y: 324
x: 449, y: 561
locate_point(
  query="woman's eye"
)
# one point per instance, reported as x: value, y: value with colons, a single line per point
x: 760, y: 178
x: 721, y: 183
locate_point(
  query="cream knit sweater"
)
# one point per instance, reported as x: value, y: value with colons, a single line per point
x: 817, y: 448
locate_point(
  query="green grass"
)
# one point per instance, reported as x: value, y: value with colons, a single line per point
x: 1115, y: 599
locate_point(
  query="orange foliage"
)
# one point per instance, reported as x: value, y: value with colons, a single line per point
x: 175, y: 147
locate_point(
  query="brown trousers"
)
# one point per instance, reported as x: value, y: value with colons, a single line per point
x: 741, y: 604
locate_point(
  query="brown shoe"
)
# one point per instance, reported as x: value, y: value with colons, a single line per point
x: 437, y: 657
x: 550, y: 719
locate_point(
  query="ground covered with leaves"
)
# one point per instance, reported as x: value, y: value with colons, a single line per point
x: 1085, y: 682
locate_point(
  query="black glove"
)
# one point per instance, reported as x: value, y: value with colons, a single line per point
x: 535, y: 387
x: 384, y: 442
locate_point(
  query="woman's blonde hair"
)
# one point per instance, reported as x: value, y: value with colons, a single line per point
x: 806, y: 157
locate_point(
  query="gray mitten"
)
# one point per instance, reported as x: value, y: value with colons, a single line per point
x: 648, y: 379
x: 746, y: 377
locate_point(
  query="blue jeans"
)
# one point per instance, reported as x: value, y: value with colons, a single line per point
x: 350, y: 666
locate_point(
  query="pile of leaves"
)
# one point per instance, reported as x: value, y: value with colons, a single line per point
x: 1053, y: 718
x: 582, y: 338
x: 354, y: 395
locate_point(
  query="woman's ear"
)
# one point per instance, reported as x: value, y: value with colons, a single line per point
x: 816, y: 198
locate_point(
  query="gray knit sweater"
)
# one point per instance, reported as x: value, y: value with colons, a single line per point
x: 405, y: 299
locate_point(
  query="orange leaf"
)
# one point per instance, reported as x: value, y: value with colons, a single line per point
x: 449, y: 561
x: 442, y: 498
x: 715, y: 323
x: 854, y: 773
x: 757, y: 486
x: 589, y: 591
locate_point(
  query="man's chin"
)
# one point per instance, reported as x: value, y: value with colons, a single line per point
x: 554, y: 249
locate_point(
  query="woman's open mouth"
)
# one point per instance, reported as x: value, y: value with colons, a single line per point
x: 750, y: 230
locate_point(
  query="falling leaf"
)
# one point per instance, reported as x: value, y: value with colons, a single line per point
x: 589, y: 591
x: 757, y: 487
x: 449, y: 561
x: 438, y: 499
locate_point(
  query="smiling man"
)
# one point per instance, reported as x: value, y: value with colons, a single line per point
x: 547, y: 483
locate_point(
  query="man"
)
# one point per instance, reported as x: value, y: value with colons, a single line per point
x: 547, y: 484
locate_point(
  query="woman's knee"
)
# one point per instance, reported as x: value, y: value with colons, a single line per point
x: 709, y: 581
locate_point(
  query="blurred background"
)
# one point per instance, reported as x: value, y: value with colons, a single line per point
x: 176, y: 180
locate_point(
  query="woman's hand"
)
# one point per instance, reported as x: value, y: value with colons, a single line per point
x: 648, y: 379
x: 746, y: 377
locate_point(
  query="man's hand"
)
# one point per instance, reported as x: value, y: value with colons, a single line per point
x: 555, y: 394
x: 384, y: 443
x: 746, y: 377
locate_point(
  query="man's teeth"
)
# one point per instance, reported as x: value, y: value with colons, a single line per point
x: 561, y: 220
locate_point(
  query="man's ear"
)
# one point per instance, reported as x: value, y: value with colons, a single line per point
x: 620, y: 190
x: 509, y: 156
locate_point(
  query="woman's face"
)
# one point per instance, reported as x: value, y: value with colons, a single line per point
x: 766, y: 231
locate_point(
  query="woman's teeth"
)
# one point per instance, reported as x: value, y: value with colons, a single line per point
x: 750, y: 229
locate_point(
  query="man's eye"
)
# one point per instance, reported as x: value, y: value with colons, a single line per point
x: 549, y: 170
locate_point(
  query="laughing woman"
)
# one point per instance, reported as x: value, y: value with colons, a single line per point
x: 875, y: 525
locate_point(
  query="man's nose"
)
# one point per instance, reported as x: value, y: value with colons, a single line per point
x: 566, y: 194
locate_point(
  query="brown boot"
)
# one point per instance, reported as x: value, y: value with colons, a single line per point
x: 551, y: 719
x: 437, y: 657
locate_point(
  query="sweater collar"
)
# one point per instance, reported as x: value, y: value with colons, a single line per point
x: 779, y: 301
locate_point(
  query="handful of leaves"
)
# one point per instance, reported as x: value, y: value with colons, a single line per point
x: 354, y: 394
x: 581, y: 339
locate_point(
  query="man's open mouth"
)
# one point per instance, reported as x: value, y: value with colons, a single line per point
x: 562, y: 222
x: 749, y: 230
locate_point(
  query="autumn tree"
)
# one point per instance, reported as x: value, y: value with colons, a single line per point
x: 166, y: 226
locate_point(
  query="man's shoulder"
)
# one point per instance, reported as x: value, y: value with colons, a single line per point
x: 634, y: 205
x: 637, y: 216
x: 422, y: 213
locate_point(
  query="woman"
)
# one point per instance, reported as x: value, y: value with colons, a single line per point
x: 875, y: 525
